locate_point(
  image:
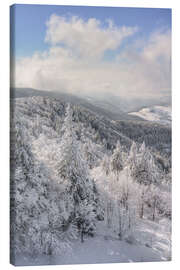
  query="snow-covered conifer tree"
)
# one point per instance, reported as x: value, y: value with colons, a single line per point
x: 73, y: 171
x: 132, y: 158
x: 144, y: 170
x: 106, y: 164
x: 90, y: 153
x: 117, y: 159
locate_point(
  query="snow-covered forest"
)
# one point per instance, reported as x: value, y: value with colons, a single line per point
x: 86, y: 189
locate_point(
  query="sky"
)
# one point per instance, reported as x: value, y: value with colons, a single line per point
x: 92, y: 50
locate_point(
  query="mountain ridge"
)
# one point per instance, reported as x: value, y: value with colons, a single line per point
x: 102, y: 106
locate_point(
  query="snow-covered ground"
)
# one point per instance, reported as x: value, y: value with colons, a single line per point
x: 160, y: 114
x: 150, y: 241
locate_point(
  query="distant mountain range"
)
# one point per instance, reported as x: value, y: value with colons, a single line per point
x: 109, y: 126
x: 115, y: 108
x: 159, y: 114
x: 103, y: 108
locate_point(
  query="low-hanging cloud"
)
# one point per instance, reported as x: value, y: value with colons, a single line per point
x: 75, y: 61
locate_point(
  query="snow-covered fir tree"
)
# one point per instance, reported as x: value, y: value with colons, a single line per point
x: 106, y: 164
x: 143, y: 168
x: 117, y: 159
x: 73, y: 171
x: 90, y: 153
x: 132, y: 158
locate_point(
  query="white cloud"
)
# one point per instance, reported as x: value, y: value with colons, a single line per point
x: 159, y: 46
x: 86, y: 38
x: 78, y: 66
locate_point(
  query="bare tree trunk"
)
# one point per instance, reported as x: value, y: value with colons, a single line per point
x: 82, y: 234
x: 154, y: 210
x: 129, y: 225
x: 141, y: 214
x: 120, y: 226
x: 109, y: 214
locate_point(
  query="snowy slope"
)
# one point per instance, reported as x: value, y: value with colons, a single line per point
x: 107, y: 248
x: 42, y: 119
x: 160, y: 114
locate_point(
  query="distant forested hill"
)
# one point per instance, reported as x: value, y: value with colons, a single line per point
x: 110, y: 111
x: 98, y: 127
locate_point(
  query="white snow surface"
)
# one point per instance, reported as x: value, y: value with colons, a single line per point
x: 107, y: 248
x: 160, y: 114
x: 151, y: 243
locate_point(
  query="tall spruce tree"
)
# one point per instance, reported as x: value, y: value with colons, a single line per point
x: 144, y: 170
x: 73, y: 171
x: 117, y: 159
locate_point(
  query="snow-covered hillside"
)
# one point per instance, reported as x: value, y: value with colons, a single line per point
x: 151, y: 244
x: 82, y: 191
x: 160, y: 114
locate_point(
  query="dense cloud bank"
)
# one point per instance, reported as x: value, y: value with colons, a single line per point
x: 89, y: 58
